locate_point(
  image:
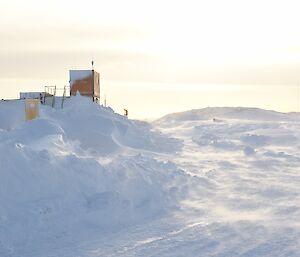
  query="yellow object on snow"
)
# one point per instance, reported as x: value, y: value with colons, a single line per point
x: 32, y: 107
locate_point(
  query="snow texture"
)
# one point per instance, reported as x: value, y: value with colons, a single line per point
x: 85, y: 181
x: 79, y: 75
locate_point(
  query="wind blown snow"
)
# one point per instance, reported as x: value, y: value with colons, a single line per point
x: 85, y: 181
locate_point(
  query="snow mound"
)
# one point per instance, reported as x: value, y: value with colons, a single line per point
x: 92, y: 127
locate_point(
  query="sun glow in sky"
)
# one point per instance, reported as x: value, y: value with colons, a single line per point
x: 157, y: 56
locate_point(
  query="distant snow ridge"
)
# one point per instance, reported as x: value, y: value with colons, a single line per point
x: 78, y: 168
x: 228, y: 113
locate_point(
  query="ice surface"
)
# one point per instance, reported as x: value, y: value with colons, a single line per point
x: 85, y: 181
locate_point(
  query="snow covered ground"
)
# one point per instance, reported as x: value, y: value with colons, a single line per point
x: 84, y: 181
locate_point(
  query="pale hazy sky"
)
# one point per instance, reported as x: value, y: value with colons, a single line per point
x: 157, y: 56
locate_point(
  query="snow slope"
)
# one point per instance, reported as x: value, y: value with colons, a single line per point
x: 84, y: 181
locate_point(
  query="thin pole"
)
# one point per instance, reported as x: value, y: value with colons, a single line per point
x: 298, y: 95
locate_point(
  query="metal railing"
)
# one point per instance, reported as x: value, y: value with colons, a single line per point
x: 53, y: 91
